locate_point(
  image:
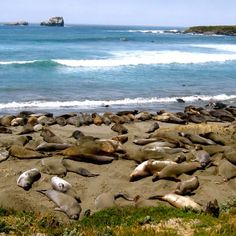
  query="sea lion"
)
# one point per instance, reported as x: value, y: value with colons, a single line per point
x: 45, y: 120
x: 144, y: 141
x: 158, y: 144
x: 121, y: 138
x: 153, y: 127
x: 6, y: 120
x: 51, y: 147
x: 65, y: 203
x: 77, y: 134
x: 198, y: 139
x: 61, y: 121
x: 202, y: 157
x: 26, y: 129
x: 187, y: 186
x: 119, y: 128
x: 97, y: 119
x: 230, y: 156
x: 4, y: 154
x: 169, y: 118
x: 50, y: 137
x: 5, y: 130
x: 106, y: 200
x: 53, y: 166
x: 143, y: 116
x: 227, y: 169
x: 27, y: 178
x: 173, y: 171
x: 147, y: 168
x: 179, y: 201
x: 73, y: 166
x: 24, y: 153
x: 60, y: 184
x: 18, y: 121
x: 213, y: 208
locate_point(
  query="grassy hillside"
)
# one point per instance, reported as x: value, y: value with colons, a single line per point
x: 223, y: 30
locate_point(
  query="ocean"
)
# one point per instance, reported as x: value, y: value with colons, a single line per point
x: 85, y: 68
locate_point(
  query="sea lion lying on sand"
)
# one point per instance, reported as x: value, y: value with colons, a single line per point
x: 187, y: 186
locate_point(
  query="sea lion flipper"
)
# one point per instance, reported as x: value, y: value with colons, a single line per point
x: 85, y: 172
x: 124, y: 196
x: 155, y: 197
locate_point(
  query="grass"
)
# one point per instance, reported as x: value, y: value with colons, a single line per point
x: 161, y: 220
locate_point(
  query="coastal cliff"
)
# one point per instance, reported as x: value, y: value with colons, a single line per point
x: 53, y: 21
x: 209, y: 30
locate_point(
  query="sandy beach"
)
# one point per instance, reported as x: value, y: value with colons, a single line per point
x: 114, y: 177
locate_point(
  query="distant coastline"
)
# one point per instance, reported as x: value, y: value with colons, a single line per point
x: 229, y: 30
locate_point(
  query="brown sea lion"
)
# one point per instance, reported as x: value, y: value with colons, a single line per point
x: 106, y: 200
x: 51, y: 147
x: 65, y: 203
x: 230, y: 156
x: 61, y: 121
x: 187, y: 186
x: 27, y: 178
x: 144, y: 141
x: 119, y: 128
x: 5, y: 130
x: 153, y: 127
x: 97, y: 119
x: 6, y: 120
x: 198, y: 139
x: 121, y: 138
x: 50, y: 137
x: 73, y: 166
x: 24, y: 153
x: 227, y: 169
x: 53, y: 166
x: 173, y: 171
x: 179, y: 201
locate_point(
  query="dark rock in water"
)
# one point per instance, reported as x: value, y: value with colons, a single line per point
x: 180, y: 100
x: 53, y: 21
x: 25, y: 114
x: 17, y: 23
x: 216, y: 105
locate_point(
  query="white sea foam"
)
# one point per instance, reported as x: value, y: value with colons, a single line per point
x: 149, y: 58
x: 87, y: 104
x: 151, y: 31
x: 17, y: 62
x: 221, y: 47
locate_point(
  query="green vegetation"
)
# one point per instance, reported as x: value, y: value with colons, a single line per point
x: 161, y: 220
x: 221, y: 29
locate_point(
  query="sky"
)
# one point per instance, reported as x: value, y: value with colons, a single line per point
x: 123, y: 12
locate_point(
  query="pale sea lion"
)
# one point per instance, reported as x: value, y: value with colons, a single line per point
x: 106, y: 200
x: 53, y: 166
x: 179, y: 201
x: 147, y: 168
x: 60, y: 184
x: 65, y: 203
x: 187, y: 186
x: 198, y: 139
x: 24, y: 153
x: 51, y: 147
x: 50, y: 137
x: 202, y: 157
x: 4, y: 154
x: 173, y: 171
x: 158, y: 144
x: 73, y: 166
x: 144, y: 141
x: 27, y: 178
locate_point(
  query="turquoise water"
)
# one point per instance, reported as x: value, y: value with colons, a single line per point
x: 83, y: 68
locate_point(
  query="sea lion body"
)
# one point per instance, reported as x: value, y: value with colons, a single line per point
x: 173, y: 171
x: 65, y: 203
x: 144, y: 141
x: 147, y: 168
x: 53, y: 166
x: 4, y: 154
x: 153, y: 128
x: 198, y: 139
x: 60, y: 184
x: 187, y: 186
x: 27, y: 178
x: 202, y: 157
x: 50, y: 137
x: 231, y: 156
x: 179, y: 201
x: 50, y: 147
x: 24, y: 153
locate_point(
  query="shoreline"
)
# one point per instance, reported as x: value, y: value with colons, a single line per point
x: 114, y: 177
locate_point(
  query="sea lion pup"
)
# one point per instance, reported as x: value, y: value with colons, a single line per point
x: 53, y: 166
x: 51, y: 147
x: 197, y: 139
x: 179, y: 201
x: 73, y: 166
x: 50, y: 137
x: 187, y: 186
x: 66, y: 203
x: 24, y: 153
x: 202, y: 157
x: 106, y: 200
x: 147, y: 168
x: 4, y: 154
x: 153, y: 127
x: 27, y: 178
x: 173, y: 171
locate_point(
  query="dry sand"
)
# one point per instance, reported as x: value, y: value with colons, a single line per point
x: 113, y: 177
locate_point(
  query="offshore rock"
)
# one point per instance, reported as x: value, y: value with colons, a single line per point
x: 53, y: 21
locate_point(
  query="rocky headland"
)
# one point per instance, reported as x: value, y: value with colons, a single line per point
x: 53, y: 21
x: 211, y: 30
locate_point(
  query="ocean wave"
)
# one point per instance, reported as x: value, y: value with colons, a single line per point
x: 132, y: 58
x: 220, y: 47
x: 88, y: 104
x: 152, y: 31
